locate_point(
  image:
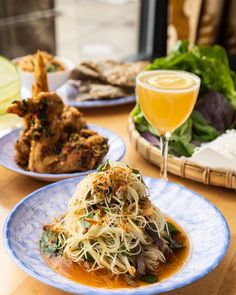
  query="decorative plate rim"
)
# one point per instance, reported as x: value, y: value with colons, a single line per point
x: 61, y: 175
x: 151, y: 289
x: 99, y: 103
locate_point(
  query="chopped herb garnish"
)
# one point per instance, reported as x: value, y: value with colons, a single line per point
x: 35, y: 135
x: 172, y: 231
x: 149, y: 278
x: 88, y: 257
x: 172, y: 228
x: 103, y: 167
x: 49, y: 243
x: 79, y: 146
x: 85, y: 223
x: 64, y: 157
x: 51, y: 69
x: 136, y: 171
x: 174, y: 244
x: 48, y: 132
x: 90, y: 215
x: 24, y: 106
x: 31, y: 122
x: 126, y: 252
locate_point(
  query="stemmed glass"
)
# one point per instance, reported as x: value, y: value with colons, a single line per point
x: 166, y: 98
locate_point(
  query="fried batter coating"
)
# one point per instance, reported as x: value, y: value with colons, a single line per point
x: 55, y: 137
x: 40, y: 75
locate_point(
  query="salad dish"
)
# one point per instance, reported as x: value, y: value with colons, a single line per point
x: 116, y: 232
x: 113, y: 234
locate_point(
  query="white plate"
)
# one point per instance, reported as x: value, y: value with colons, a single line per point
x: 55, y: 79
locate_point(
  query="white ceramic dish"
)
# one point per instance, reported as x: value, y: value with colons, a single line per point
x: 55, y: 79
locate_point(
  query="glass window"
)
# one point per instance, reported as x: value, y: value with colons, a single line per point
x: 78, y: 29
x: 92, y: 29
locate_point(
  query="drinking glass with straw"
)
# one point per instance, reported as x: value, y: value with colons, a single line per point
x: 166, y: 98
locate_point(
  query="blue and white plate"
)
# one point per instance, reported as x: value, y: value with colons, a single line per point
x: 204, y: 224
x: 100, y: 103
x: 115, y: 153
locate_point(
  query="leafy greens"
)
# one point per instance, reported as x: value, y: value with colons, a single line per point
x: 211, y: 65
x: 195, y: 128
x: 50, y: 244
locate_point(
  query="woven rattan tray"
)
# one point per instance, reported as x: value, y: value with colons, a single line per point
x: 181, y: 166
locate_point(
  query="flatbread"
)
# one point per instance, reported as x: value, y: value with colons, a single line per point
x: 110, y: 72
x: 90, y: 90
x: 106, y: 80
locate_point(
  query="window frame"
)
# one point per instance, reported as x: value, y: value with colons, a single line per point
x: 153, y: 22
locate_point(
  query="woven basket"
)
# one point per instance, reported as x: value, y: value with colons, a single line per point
x: 179, y: 166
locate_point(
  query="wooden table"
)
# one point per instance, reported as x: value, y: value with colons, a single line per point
x: 13, y: 187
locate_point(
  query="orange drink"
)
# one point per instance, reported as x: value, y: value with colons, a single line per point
x: 166, y: 98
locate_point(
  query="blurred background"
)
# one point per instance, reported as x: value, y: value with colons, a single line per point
x: 119, y: 29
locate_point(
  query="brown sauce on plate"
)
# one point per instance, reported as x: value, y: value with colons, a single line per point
x: 103, y: 279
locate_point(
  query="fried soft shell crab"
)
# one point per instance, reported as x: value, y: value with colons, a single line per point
x: 55, y: 137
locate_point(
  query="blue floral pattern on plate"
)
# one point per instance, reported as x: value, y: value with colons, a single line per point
x: 116, y: 152
x: 205, y: 225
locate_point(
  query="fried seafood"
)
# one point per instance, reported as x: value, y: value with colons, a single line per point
x: 55, y: 137
x: 40, y: 75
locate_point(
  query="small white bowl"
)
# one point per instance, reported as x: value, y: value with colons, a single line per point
x: 55, y: 79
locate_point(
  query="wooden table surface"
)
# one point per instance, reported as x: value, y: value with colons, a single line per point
x: 13, y: 187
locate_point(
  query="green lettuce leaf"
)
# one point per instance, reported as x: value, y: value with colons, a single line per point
x: 181, y: 141
x: 202, y: 130
x: 141, y: 123
x: 50, y: 243
x: 209, y: 63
